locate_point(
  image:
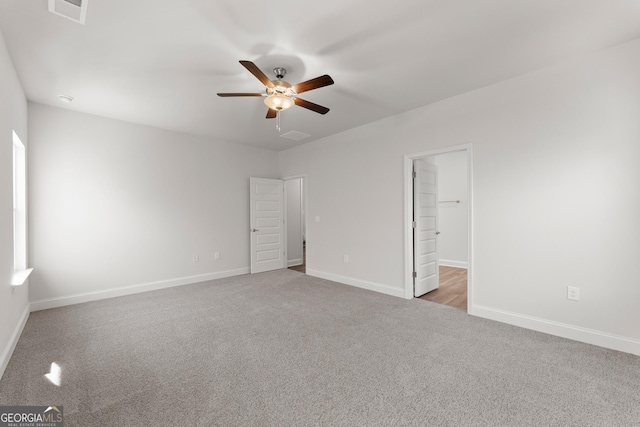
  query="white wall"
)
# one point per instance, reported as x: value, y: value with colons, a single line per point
x: 556, y: 200
x: 13, y: 116
x: 453, y: 218
x: 115, y: 204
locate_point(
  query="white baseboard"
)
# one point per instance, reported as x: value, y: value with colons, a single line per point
x: 134, y: 289
x: 451, y: 263
x: 364, y: 284
x: 11, y: 345
x: 576, y: 333
x: 294, y: 262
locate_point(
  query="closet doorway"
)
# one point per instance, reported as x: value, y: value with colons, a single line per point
x: 452, y: 232
x: 296, y: 225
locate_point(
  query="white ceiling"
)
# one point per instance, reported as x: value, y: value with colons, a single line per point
x: 161, y: 63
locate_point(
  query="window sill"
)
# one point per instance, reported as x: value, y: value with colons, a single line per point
x: 20, y: 276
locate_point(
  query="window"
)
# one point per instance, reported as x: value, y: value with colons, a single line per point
x: 20, y: 270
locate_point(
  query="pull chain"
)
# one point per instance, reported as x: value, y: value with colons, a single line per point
x: 278, y: 121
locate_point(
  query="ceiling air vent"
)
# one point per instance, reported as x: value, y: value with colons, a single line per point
x: 294, y: 135
x: 75, y: 10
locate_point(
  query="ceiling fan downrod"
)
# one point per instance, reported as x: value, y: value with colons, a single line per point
x: 280, y: 72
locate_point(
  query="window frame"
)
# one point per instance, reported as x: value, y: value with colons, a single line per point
x: 20, y: 270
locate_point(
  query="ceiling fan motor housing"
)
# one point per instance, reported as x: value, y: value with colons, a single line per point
x: 281, y: 87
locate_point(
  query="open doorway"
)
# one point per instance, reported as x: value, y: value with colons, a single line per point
x: 296, y: 235
x: 450, y: 261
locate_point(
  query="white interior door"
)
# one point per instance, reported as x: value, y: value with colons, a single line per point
x: 425, y: 230
x: 266, y: 199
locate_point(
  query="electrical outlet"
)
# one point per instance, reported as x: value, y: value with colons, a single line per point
x: 573, y: 293
x: 196, y: 258
x: 216, y: 255
x: 346, y: 258
x: 317, y: 218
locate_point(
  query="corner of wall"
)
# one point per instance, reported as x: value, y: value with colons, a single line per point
x: 5, y: 357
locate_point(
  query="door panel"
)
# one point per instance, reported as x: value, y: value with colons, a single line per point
x: 425, y: 235
x: 267, y: 224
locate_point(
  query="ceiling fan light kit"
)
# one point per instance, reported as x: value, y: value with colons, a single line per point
x: 280, y: 95
x: 278, y: 102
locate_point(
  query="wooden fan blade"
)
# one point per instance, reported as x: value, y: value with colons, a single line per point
x: 311, y: 106
x: 253, y: 69
x: 240, y: 94
x: 271, y: 113
x: 316, y: 83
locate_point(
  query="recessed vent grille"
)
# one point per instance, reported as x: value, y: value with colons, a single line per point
x: 294, y: 135
x: 75, y: 10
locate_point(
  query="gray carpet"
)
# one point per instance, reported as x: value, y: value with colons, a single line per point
x: 286, y: 349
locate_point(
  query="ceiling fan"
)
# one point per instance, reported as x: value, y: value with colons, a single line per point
x: 279, y: 94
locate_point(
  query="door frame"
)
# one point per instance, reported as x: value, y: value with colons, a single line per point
x: 408, y: 217
x: 305, y: 200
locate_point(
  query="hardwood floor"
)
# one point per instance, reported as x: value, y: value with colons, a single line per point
x: 452, y: 290
x: 302, y: 268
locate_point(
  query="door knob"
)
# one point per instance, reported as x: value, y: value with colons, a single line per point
x: 437, y: 232
x: 254, y: 230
